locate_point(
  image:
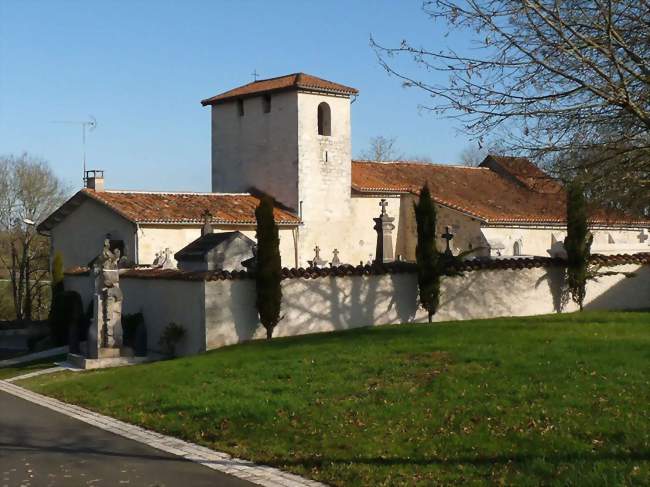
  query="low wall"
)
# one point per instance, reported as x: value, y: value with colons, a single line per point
x: 340, y: 303
x: 161, y: 301
x: 218, y: 308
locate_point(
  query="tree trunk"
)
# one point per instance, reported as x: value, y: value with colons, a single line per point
x: 28, y: 288
x: 269, y: 332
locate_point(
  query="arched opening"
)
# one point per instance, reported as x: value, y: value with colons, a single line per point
x: 324, y: 119
x: 516, y: 249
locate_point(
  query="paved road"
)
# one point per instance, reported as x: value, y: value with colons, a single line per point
x: 40, y: 447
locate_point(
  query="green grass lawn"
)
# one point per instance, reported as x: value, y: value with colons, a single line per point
x: 551, y: 400
x: 27, y: 367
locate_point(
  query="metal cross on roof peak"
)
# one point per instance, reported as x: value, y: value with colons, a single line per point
x: 255, y: 74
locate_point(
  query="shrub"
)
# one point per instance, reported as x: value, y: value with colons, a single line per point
x: 171, y: 336
x: 134, y: 333
x: 66, y: 318
x: 130, y: 323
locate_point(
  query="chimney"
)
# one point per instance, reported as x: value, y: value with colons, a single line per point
x: 94, y: 179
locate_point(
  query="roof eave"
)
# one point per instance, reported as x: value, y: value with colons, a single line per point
x: 223, y: 98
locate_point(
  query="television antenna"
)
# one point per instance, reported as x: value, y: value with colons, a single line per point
x: 89, y: 125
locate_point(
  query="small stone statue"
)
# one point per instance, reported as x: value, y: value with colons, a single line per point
x: 207, y: 222
x: 168, y: 259
x: 164, y: 260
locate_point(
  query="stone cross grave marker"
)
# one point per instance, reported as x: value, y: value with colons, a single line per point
x: 448, y: 236
x: 317, y: 261
x: 335, y: 260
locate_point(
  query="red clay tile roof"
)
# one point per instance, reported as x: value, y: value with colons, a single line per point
x: 476, y: 191
x: 290, y: 81
x: 180, y: 208
x: 524, y: 172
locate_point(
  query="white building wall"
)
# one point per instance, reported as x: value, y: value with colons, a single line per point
x: 548, y: 241
x: 324, y: 176
x: 80, y: 236
x: 360, y: 245
x: 153, y: 239
x: 257, y: 149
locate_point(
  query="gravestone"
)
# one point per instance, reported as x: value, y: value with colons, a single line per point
x: 335, y: 259
x: 384, y: 228
x: 448, y: 236
x: 317, y: 261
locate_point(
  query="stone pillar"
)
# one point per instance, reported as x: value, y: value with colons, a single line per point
x: 384, y: 228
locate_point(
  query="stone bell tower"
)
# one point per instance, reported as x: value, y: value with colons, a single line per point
x: 288, y: 137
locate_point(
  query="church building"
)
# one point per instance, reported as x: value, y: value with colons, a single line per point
x: 290, y: 137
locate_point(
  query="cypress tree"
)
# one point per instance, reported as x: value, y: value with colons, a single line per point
x: 268, y: 267
x: 426, y: 254
x: 577, y: 243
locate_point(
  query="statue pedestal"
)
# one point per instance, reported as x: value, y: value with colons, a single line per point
x: 101, y: 363
x: 108, y: 353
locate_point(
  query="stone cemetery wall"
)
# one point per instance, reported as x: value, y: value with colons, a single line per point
x: 218, y: 309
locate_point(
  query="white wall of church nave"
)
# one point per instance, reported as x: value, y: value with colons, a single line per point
x: 324, y: 176
x: 79, y: 237
x: 154, y: 239
x: 360, y: 241
x: 547, y: 241
x: 257, y: 149
x: 466, y: 230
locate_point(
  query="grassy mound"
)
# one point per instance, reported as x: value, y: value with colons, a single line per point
x: 552, y: 400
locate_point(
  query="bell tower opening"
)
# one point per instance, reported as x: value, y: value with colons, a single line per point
x: 324, y: 119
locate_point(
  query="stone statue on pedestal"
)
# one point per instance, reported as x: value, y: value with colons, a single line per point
x: 105, y: 335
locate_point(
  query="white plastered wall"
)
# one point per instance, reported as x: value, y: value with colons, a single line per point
x: 546, y: 241
x: 257, y: 149
x: 80, y: 236
x: 153, y: 239
x: 324, y: 176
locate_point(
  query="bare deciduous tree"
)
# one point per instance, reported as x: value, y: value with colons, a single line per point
x: 29, y: 192
x: 384, y: 149
x: 551, y: 78
x: 381, y: 149
x: 473, y: 154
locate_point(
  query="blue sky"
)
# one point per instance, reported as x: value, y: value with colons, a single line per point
x: 142, y: 67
